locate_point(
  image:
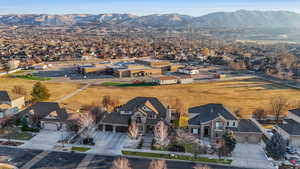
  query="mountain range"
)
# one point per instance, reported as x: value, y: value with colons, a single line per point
x: 237, y: 19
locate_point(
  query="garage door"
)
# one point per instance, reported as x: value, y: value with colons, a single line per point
x: 122, y: 129
x: 50, y: 126
x: 253, y: 139
x: 108, y: 128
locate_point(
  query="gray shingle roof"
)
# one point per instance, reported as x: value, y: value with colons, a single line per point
x: 209, y: 112
x: 138, y: 102
x: 290, y: 126
x: 7, y: 96
x: 43, y: 109
x: 246, y: 125
x: 295, y: 111
x: 134, y: 105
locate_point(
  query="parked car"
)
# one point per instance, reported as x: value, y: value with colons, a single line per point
x: 291, y: 150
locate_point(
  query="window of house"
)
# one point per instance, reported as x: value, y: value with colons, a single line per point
x: 217, y: 135
x: 233, y: 123
x: 227, y: 123
x: 195, y: 131
x: 138, y: 119
x: 219, y: 125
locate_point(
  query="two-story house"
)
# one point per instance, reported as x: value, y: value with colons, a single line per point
x: 212, y: 120
x: 289, y: 129
x: 144, y: 111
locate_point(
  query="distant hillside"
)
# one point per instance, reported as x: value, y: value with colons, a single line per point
x: 243, y: 18
x: 238, y: 19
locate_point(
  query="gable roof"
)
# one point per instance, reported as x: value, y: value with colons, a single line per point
x: 246, y: 125
x: 43, y: 109
x: 139, y: 102
x: 209, y: 112
x: 8, y: 96
x: 290, y: 126
x: 295, y: 111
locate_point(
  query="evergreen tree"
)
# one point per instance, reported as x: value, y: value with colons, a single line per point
x: 276, y: 147
x: 229, y: 141
x: 39, y: 93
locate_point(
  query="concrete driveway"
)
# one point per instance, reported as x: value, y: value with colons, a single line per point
x: 250, y: 155
x: 108, y: 143
x: 44, y: 140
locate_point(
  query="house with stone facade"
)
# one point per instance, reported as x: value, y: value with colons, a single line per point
x: 212, y: 120
x: 144, y: 111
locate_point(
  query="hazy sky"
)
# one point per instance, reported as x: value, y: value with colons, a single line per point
x: 142, y: 7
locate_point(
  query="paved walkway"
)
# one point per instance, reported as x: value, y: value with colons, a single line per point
x: 73, y: 93
x: 250, y: 155
x: 35, y: 160
x: 85, y: 162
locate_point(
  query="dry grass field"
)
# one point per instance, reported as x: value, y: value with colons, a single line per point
x: 57, y: 90
x: 247, y: 95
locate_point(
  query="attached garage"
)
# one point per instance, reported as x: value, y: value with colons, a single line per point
x: 50, y: 125
x: 109, y: 128
x: 122, y: 129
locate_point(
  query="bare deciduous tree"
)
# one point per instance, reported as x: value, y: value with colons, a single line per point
x: 87, y: 125
x: 259, y: 114
x: 158, y: 164
x: 121, y: 163
x: 133, y: 131
x: 161, y: 133
x: 278, y: 106
x: 110, y: 103
x: 19, y: 89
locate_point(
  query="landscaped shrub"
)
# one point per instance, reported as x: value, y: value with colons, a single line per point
x: 176, y: 148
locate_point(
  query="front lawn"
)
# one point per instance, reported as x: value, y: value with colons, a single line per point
x: 177, y: 157
x: 15, y: 134
x: 31, y: 77
x: 80, y: 149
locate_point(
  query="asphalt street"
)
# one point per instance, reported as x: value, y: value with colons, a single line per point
x: 67, y: 160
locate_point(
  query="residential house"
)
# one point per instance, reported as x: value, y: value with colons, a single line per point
x: 47, y: 115
x: 11, y: 99
x: 212, y: 120
x: 144, y: 111
x: 289, y: 129
x: 10, y: 104
x: 166, y: 80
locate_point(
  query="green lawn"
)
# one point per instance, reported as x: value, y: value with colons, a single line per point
x: 123, y: 84
x: 30, y: 77
x: 18, y: 135
x: 177, y: 157
x: 80, y: 149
